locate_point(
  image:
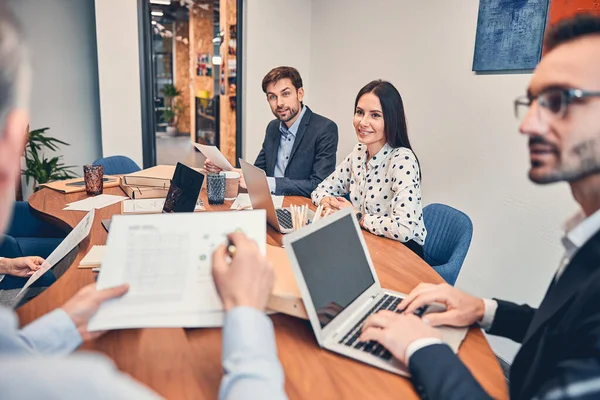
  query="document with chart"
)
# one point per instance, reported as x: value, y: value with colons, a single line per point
x: 166, y: 260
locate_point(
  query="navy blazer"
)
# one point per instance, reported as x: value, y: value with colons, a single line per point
x: 560, y: 352
x: 312, y: 158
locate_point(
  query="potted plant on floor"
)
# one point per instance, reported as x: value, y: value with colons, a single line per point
x: 172, y: 110
x: 38, y: 167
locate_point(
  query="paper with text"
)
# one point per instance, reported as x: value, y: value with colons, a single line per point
x: 96, y: 202
x: 80, y: 232
x: 166, y: 260
x: 150, y: 206
x: 215, y: 156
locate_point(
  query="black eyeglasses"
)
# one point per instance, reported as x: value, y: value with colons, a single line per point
x: 554, y: 101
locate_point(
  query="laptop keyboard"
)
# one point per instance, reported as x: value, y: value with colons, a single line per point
x: 284, y: 216
x: 387, y: 302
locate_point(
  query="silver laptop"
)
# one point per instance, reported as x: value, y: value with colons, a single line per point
x: 260, y: 198
x: 340, y: 289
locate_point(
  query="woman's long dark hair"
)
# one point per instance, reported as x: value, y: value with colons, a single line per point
x: 392, y: 107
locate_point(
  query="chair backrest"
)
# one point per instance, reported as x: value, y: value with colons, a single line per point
x: 117, y: 165
x: 449, y: 233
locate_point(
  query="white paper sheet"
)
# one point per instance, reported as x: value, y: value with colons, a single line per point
x: 150, y: 206
x: 242, y: 202
x: 96, y: 202
x: 215, y: 156
x: 80, y: 232
x: 166, y: 260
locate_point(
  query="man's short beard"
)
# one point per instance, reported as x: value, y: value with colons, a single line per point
x: 293, y: 113
x: 588, y: 155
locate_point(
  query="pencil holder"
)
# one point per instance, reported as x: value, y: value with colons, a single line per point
x: 216, y: 188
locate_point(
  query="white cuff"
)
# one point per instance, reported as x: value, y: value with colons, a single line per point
x: 418, y: 345
x: 489, y: 312
x: 272, y: 184
x: 1, y: 275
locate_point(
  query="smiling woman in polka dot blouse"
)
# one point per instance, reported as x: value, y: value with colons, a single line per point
x: 381, y: 175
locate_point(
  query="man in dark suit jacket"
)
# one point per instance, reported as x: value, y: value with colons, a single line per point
x: 560, y: 353
x: 300, y: 146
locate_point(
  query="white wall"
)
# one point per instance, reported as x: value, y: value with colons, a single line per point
x: 62, y: 38
x: 461, y: 126
x: 276, y: 32
x: 119, y: 77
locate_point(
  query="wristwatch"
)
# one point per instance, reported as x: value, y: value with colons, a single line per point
x: 359, y: 216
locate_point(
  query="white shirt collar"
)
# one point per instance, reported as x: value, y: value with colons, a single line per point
x: 580, y: 229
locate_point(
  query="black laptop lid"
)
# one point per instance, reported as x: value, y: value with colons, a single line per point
x: 184, y: 191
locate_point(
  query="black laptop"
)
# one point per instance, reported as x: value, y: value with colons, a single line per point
x: 184, y: 191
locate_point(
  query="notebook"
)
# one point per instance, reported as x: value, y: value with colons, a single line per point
x: 93, y: 258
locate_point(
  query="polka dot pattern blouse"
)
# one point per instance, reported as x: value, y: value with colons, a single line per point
x: 386, y: 190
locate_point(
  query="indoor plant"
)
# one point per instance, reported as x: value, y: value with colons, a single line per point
x: 37, y: 166
x: 172, y: 109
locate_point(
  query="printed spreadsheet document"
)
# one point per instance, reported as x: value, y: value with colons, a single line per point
x: 166, y: 260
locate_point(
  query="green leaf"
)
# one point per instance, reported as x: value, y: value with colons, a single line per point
x: 38, y: 167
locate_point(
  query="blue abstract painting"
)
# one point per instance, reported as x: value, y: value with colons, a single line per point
x: 510, y: 34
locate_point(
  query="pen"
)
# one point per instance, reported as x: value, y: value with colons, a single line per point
x: 231, y: 249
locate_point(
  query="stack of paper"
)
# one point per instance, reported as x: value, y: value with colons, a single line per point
x: 93, y: 258
x: 166, y: 260
x: 91, y: 203
x: 242, y: 202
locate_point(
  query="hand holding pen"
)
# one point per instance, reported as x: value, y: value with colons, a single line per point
x: 243, y: 276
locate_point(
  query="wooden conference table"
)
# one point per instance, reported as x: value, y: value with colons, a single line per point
x: 186, y: 363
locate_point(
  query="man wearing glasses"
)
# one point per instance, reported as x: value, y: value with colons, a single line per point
x: 560, y: 353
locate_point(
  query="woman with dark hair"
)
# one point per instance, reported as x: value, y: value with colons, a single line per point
x: 381, y: 176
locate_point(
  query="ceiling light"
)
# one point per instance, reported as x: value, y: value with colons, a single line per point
x: 161, y: 2
x: 157, y: 13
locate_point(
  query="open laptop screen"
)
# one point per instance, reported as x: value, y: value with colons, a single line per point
x: 334, y: 266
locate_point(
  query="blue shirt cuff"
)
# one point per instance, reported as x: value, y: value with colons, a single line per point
x: 272, y: 184
x: 54, y: 333
x: 247, y: 330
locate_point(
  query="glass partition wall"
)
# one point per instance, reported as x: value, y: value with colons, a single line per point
x: 194, y: 64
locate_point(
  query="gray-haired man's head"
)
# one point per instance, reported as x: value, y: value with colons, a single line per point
x: 15, y: 73
x: 15, y: 78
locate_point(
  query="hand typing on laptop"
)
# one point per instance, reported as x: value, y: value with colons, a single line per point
x: 396, y: 331
x: 245, y: 281
x: 462, y: 309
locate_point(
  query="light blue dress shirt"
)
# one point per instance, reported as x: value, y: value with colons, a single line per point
x: 286, y: 144
x: 33, y: 363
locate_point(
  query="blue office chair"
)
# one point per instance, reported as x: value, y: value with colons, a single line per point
x: 28, y: 236
x: 449, y: 233
x: 117, y: 165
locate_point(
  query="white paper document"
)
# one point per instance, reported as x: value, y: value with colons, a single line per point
x: 166, y: 260
x: 242, y: 202
x: 96, y: 202
x: 80, y: 232
x: 215, y: 156
x: 150, y: 206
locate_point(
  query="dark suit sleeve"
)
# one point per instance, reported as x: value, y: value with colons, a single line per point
x: 261, y: 160
x: 511, y: 320
x: 323, y: 165
x: 579, y: 376
x: 437, y: 373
